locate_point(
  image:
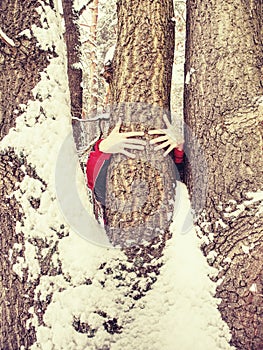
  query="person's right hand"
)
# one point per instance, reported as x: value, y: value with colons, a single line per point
x: 118, y: 142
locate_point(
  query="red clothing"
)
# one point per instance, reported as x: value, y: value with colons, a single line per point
x: 98, y: 161
x: 178, y: 156
x: 95, y: 162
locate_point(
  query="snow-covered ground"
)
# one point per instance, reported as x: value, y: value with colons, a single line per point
x: 178, y: 313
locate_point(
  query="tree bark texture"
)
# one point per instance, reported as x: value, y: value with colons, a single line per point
x: 140, y: 191
x: 19, y: 73
x: 19, y: 64
x: 72, y: 37
x: 93, y: 83
x: 223, y: 112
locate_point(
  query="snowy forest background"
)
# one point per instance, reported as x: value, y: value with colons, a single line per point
x: 66, y: 292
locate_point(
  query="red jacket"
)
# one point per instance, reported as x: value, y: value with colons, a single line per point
x: 97, y: 166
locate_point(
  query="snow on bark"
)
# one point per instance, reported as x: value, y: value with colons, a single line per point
x: 6, y: 38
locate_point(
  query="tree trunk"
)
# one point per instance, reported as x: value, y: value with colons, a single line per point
x: 72, y: 37
x: 224, y: 115
x: 140, y: 192
x: 19, y: 73
x: 93, y: 83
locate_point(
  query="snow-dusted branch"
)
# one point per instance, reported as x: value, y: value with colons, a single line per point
x: 84, y: 6
x: 98, y: 117
x: 6, y: 39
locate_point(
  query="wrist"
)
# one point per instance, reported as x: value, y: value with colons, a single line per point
x: 102, y: 147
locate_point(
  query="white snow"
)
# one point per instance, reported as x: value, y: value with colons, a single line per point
x: 180, y: 312
x: 109, y: 55
x: 51, y: 36
x: 239, y: 208
x: 6, y: 38
x: 253, y: 288
x: 26, y: 33
x: 79, y: 4
x: 245, y: 248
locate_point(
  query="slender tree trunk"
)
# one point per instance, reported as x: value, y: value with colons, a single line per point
x: 223, y: 112
x: 72, y: 37
x: 20, y: 68
x: 93, y: 81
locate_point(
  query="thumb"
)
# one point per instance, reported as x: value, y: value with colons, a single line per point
x: 117, y: 126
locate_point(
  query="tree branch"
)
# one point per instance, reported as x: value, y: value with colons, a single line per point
x: 84, y: 7
x: 6, y: 39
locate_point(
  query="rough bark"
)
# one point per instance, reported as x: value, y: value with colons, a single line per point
x: 72, y: 37
x: 19, y: 65
x: 93, y: 61
x: 140, y: 191
x: 222, y: 110
x: 19, y: 73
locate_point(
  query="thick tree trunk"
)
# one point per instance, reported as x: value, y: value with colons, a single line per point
x: 19, y: 73
x: 19, y: 64
x: 140, y: 192
x: 223, y: 112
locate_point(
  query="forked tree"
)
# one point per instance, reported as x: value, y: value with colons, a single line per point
x: 22, y: 62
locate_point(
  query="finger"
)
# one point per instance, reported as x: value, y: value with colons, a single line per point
x: 163, y: 145
x: 156, y: 132
x: 133, y: 133
x: 166, y: 120
x: 135, y: 141
x: 159, y: 139
x: 128, y: 154
x: 133, y: 146
x: 168, y: 150
x: 117, y: 126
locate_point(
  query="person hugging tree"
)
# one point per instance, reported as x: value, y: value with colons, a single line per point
x: 121, y: 142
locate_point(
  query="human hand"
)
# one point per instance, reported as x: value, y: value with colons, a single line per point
x: 171, y: 138
x: 117, y: 142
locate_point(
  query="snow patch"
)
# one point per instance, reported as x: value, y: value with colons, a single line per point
x: 49, y: 35
x: 25, y: 33
x: 79, y: 4
x: 245, y: 249
x: 188, y: 75
x: 253, y: 288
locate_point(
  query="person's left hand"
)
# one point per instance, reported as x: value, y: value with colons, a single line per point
x: 171, y: 138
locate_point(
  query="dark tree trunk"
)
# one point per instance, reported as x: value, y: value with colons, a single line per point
x: 72, y: 37
x: 19, y: 73
x: 223, y: 112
